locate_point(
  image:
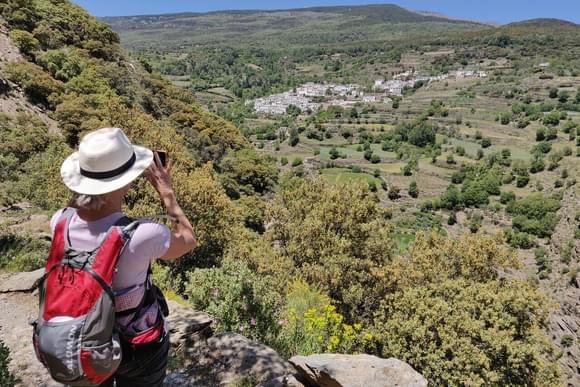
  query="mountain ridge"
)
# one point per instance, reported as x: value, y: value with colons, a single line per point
x: 330, y: 9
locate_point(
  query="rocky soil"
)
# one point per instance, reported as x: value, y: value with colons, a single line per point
x: 563, y: 286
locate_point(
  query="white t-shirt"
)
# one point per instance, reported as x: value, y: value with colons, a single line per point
x: 149, y: 241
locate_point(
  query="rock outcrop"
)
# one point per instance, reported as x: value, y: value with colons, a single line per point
x: 333, y: 370
x: 563, y: 287
x: 200, y: 358
x: 20, y: 282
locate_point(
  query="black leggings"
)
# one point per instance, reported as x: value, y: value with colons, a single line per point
x: 142, y: 365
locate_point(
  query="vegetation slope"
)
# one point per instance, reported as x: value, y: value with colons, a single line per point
x: 301, y: 264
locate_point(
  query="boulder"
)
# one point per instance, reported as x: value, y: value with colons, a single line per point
x: 282, y: 381
x: 186, y: 324
x: 20, y: 282
x: 237, y: 356
x: 334, y: 370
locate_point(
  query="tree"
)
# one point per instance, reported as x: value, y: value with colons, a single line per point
x: 475, y: 221
x: 452, y: 219
x: 422, y: 134
x: 293, y: 110
x: 394, y: 192
x: 249, y: 171
x: 505, y: 118
x: 413, y: 189
x: 540, y: 134
x: 294, y: 137
x: 537, y: 164
x: 563, y: 96
x: 485, y: 142
x: 552, y: 118
x: 333, y: 153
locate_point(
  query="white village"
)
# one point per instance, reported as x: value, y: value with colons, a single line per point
x: 308, y: 96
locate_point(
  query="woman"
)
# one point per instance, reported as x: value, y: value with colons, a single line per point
x: 99, y: 175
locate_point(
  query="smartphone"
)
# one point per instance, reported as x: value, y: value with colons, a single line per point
x: 162, y: 157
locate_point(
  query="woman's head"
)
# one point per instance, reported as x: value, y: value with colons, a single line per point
x: 93, y: 203
x: 105, y: 164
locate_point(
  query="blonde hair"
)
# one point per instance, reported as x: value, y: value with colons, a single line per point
x: 88, y: 202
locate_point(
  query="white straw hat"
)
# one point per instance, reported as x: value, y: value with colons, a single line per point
x: 106, y: 161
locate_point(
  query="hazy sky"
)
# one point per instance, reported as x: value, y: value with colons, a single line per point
x: 501, y: 11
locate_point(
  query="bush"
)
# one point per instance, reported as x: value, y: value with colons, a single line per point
x: 485, y: 142
x: 394, y: 192
x: 296, y: 162
x: 375, y: 159
x: 413, y: 189
x: 475, y: 222
x: 239, y: 299
x: 567, y: 341
x: 520, y: 240
x: 283, y: 161
x: 38, y: 86
x: 452, y: 219
x: 25, y: 41
x: 6, y: 378
x: 342, y: 254
x: 441, y: 330
x: 507, y: 197
x: 522, y: 181
x: 310, y: 324
x: 551, y: 119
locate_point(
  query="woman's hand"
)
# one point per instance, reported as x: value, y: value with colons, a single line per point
x: 160, y: 176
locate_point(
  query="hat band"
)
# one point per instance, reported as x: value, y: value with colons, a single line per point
x: 111, y: 173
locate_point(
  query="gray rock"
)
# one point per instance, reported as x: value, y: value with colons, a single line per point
x: 282, y: 381
x: 333, y: 370
x: 237, y: 356
x: 20, y: 282
x: 185, y: 323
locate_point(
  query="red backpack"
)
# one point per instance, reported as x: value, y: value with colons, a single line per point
x: 74, y: 336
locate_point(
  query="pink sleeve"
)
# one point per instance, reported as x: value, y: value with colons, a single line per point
x: 150, y: 240
x: 54, y: 220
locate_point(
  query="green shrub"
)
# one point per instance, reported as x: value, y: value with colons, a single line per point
x: 296, y: 162
x: 485, y: 142
x: 443, y: 332
x: 567, y: 341
x: 239, y: 299
x: 20, y: 252
x: 6, y: 378
x: 25, y: 41
x: 38, y: 86
x: 520, y: 240
x: 522, y: 181
x: 413, y: 189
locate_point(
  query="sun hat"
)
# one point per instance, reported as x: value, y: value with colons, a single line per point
x: 105, y: 162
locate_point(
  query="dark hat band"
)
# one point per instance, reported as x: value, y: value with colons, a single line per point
x: 111, y: 173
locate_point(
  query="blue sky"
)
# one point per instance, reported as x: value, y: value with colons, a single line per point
x: 501, y: 11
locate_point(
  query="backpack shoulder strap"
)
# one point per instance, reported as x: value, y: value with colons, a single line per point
x: 60, y: 238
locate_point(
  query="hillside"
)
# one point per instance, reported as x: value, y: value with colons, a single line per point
x: 293, y: 27
x: 438, y: 225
